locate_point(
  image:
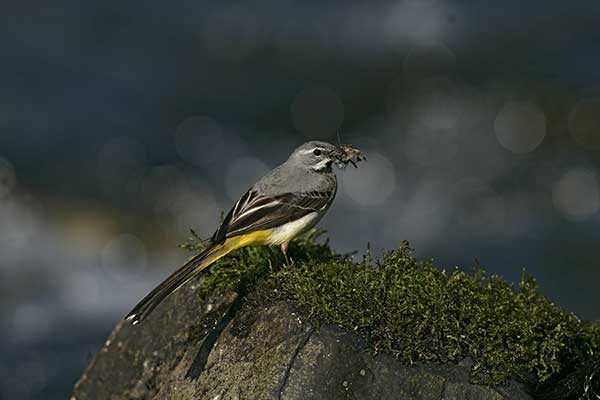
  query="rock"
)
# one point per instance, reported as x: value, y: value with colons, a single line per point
x: 223, y: 349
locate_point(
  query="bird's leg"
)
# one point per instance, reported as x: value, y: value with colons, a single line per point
x: 284, y: 247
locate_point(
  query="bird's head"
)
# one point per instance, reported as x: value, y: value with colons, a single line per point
x: 319, y: 156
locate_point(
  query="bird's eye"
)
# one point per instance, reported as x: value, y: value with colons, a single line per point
x: 317, y: 152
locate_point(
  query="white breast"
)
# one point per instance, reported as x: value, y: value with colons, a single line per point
x: 287, y: 232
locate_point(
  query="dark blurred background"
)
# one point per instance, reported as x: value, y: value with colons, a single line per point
x: 124, y: 124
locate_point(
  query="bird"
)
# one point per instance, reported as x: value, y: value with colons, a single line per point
x: 286, y: 202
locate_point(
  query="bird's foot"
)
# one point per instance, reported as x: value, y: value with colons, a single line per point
x: 284, y: 248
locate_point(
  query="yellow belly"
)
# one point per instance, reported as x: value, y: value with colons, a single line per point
x: 257, y: 238
x: 274, y: 236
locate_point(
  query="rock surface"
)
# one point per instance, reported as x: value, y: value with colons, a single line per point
x: 222, y: 349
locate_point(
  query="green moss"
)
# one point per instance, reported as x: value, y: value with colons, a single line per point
x: 244, y: 268
x: 418, y: 313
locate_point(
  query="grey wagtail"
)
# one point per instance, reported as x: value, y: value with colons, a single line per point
x: 286, y: 202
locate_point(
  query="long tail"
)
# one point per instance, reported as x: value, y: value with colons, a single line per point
x: 177, y: 279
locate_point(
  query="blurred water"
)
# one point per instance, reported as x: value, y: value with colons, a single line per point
x: 123, y: 126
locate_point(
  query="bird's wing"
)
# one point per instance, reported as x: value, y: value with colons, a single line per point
x: 254, y: 212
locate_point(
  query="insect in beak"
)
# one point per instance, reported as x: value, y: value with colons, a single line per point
x: 346, y: 154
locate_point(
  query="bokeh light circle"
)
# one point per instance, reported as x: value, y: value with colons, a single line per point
x: 520, y: 126
x: 584, y: 123
x: 8, y: 178
x: 372, y: 183
x: 241, y: 173
x: 124, y: 257
x: 317, y: 112
x: 576, y: 194
x: 199, y: 140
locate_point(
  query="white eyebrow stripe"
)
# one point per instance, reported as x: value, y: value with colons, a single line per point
x: 311, y: 150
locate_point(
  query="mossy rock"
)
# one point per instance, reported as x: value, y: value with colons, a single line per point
x: 264, y: 352
x: 329, y: 327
